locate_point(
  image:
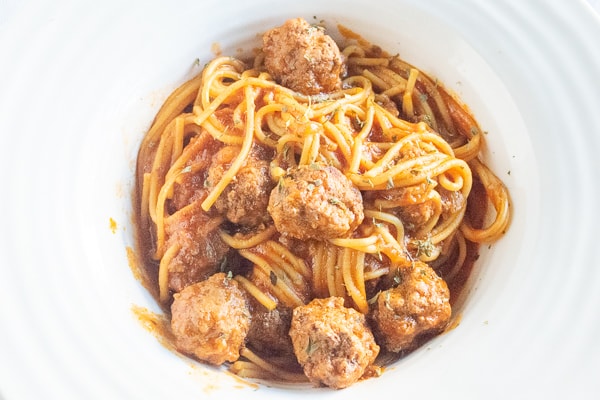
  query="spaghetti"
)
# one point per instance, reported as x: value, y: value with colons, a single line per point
x: 410, y: 148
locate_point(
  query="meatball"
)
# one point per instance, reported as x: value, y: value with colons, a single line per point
x: 332, y: 343
x: 210, y: 319
x: 269, y: 330
x: 416, y: 203
x: 201, y: 250
x: 303, y: 58
x: 316, y: 202
x: 190, y: 186
x: 419, y: 305
x: 244, y: 201
x: 416, y: 215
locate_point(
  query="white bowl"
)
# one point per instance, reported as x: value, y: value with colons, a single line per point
x: 81, y: 84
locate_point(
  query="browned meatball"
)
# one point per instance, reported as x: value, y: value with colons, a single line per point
x: 269, y: 330
x: 201, y: 250
x: 316, y: 202
x: 210, y: 319
x: 415, y: 204
x: 416, y: 215
x: 244, y: 201
x: 419, y: 305
x: 190, y: 186
x: 332, y: 343
x: 303, y: 58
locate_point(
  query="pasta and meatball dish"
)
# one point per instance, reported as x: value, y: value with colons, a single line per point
x: 311, y: 213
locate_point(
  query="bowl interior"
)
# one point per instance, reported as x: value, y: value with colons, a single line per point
x: 171, y: 45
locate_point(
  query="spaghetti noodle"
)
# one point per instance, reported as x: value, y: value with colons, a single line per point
x: 410, y: 148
